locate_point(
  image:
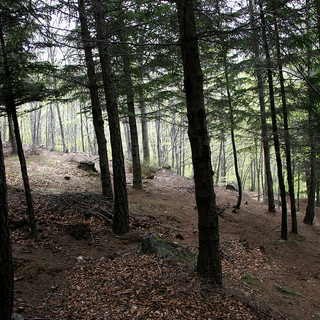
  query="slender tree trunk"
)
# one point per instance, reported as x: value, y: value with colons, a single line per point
x: 218, y: 164
x: 6, y: 269
x: 65, y: 149
x: 52, y: 128
x: 234, y: 148
x: 81, y: 130
x: 95, y: 103
x: 263, y: 117
x: 11, y: 107
x: 284, y: 224
x: 144, y: 130
x: 12, y: 138
x: 158, y: 130
x: 310, y: 210
x: 290, y: 177
x: 209, y: 260
x: 136, y: 166
x: 126, y: 128
x: 121, y: 208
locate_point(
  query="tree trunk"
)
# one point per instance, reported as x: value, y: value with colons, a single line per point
x: 290, y: 177
x: 234, y: 148
x: 6, y: 269
x: 309, y: 217
x: 158, y: 131
x: 12, y: 138
x: 11, y: 108
x: 209, y: 260
x: 263, y: 117
x: 284, y: 224
x: 65, y: 149
x: 310, y: 210
x: 52, y: 128
x: 144, y: 130
x: 136, y: 166
x: 95, y: 104
x: 121, y: 209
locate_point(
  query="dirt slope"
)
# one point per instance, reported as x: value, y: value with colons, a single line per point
x: 80, y: 270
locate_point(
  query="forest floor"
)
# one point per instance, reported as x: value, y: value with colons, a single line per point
x: 79, y: 270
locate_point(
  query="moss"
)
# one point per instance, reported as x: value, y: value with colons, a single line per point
x: 166, y: 249
x: 254, y: 282
x: 286, y: 290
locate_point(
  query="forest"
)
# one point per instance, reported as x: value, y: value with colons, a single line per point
x: 220, y: 93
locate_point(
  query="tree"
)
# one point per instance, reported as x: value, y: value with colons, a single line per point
x: 209, y: 260
x: 284, y: 225
x: 121, y: 209
x: 290, y: 178
x: 6, y: 19
x: 6, y: 269
x: 263, y: 116
x: 127, y: 74
x: 95, y: 103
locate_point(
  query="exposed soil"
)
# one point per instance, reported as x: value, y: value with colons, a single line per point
x: 80, y: 270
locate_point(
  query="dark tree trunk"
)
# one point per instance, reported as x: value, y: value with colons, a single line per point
x: 6, y: 269
x: 98, y: 122
x: 263, y: 117
x: 12, y: 138
x: 284, y: 224
x: 11, y: 108
x: 313, y: 100
x: 309, y: 217
x: 144, y: 130
x: 136, y: 166
x: 121, y: 209
x: 65, y: 149
x: 234, y: 148
x: 290, y: 177
x: 209, y: 260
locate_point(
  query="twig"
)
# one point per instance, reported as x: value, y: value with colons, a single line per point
x: 48, y: 297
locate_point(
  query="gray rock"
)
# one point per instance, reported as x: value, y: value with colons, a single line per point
x: 232, y: 186
x: 152, y: 244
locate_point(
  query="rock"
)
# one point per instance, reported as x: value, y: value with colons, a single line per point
x: 286, y: 290
x: 17, y: 316
x: 87, y: 166
x: 166, y: 249
x: 232, y: 186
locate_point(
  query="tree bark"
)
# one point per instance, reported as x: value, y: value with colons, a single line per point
x: 290, y: 177
x: 12, y: 139
x: 136, y: 166
x: 144, y: 130
x: 11, y: 108
x: 65, y: 149
x: 209, y: 260
x: 95, y: 104
x: 284, y: 224
x: 263, y: 117
x: 121, y: 209
x: 6, y: 269
x: 234, y: 148
x: 310, y: 210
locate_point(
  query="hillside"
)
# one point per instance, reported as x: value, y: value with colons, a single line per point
x: 80, y: 270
